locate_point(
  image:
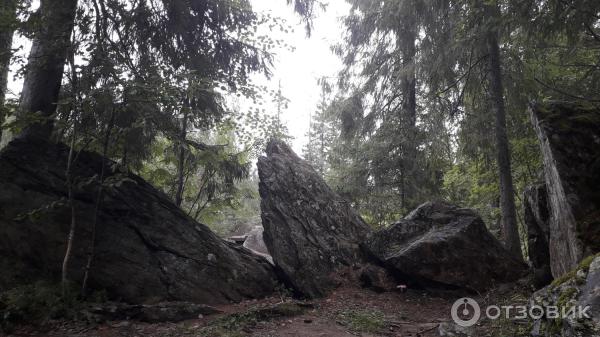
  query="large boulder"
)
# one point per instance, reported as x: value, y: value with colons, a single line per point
x: 442, y: 245
x: 536, y: 219
x: 311, y: 232
x: 147, y: 249
x: 569, y: 135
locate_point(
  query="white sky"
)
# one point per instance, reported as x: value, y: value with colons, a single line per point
x: 312, y: 59
x: 298, y: 71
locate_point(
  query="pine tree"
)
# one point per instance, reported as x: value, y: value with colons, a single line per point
x: 321, y: 133
x: 52, y: 40
x: 8, y: 20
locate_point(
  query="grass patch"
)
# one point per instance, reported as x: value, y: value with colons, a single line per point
x: 236, y: 325
x: 371, y: 321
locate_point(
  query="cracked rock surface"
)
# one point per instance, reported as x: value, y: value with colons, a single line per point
x: 569, y: 137
x: 311, y: 232
x: 147, y: 249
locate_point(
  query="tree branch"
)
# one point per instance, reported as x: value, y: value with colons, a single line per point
x: 564, y: 92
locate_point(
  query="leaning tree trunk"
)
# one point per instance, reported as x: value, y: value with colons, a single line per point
x: 7, y: 28
x: 507, y: 195
x: 45, y: 68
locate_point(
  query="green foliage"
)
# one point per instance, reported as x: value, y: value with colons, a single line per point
x: 368, y: 168
x: 472, y: 182
x: 321, y: 133
x: 153, y: 71
x: 37, y: 303
x: 472, y: 185
x: 454, y: 137
x: 394, y: 143
x: 212, y: 174
x: 369, y: 321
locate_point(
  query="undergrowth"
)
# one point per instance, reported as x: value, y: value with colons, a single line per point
x: 370, y: 321
x: 40, y: 302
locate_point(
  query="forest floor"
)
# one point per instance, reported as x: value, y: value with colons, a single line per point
x: 345, y: 313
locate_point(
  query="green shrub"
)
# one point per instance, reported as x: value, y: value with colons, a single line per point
x: 37, y: 303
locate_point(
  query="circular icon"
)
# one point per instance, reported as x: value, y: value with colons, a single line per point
x: 464, y: 308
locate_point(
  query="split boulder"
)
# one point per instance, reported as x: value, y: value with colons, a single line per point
x: 147, y: 249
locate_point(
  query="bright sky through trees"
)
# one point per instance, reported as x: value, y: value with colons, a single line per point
x: 299, y: 70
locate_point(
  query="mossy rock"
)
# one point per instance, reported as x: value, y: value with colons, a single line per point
x: 584, y: 266
x: 564, y: 293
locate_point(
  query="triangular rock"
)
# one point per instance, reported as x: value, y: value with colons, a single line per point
x: 311, y: 232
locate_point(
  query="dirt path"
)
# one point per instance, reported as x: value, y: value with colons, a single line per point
x: 346, y: 312
x: 351, y: 312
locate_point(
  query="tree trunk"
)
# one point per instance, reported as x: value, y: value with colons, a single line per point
x: 45, y: 66
x: 408, y: 119
x: 181, y: 160
x: 71, y: 237
x: 409, y: 82
x: 7, y: 28
x: 97, y: 206
x: 507, y: 199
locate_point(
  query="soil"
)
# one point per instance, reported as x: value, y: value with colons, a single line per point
x: 414, y: 313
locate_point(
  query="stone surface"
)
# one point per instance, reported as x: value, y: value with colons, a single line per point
x: 590, y: 294
x: 442, y: 245
x: 148, y: 250
x: 569, y: 135
x: 536, y: 218
x: 310, y: 231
